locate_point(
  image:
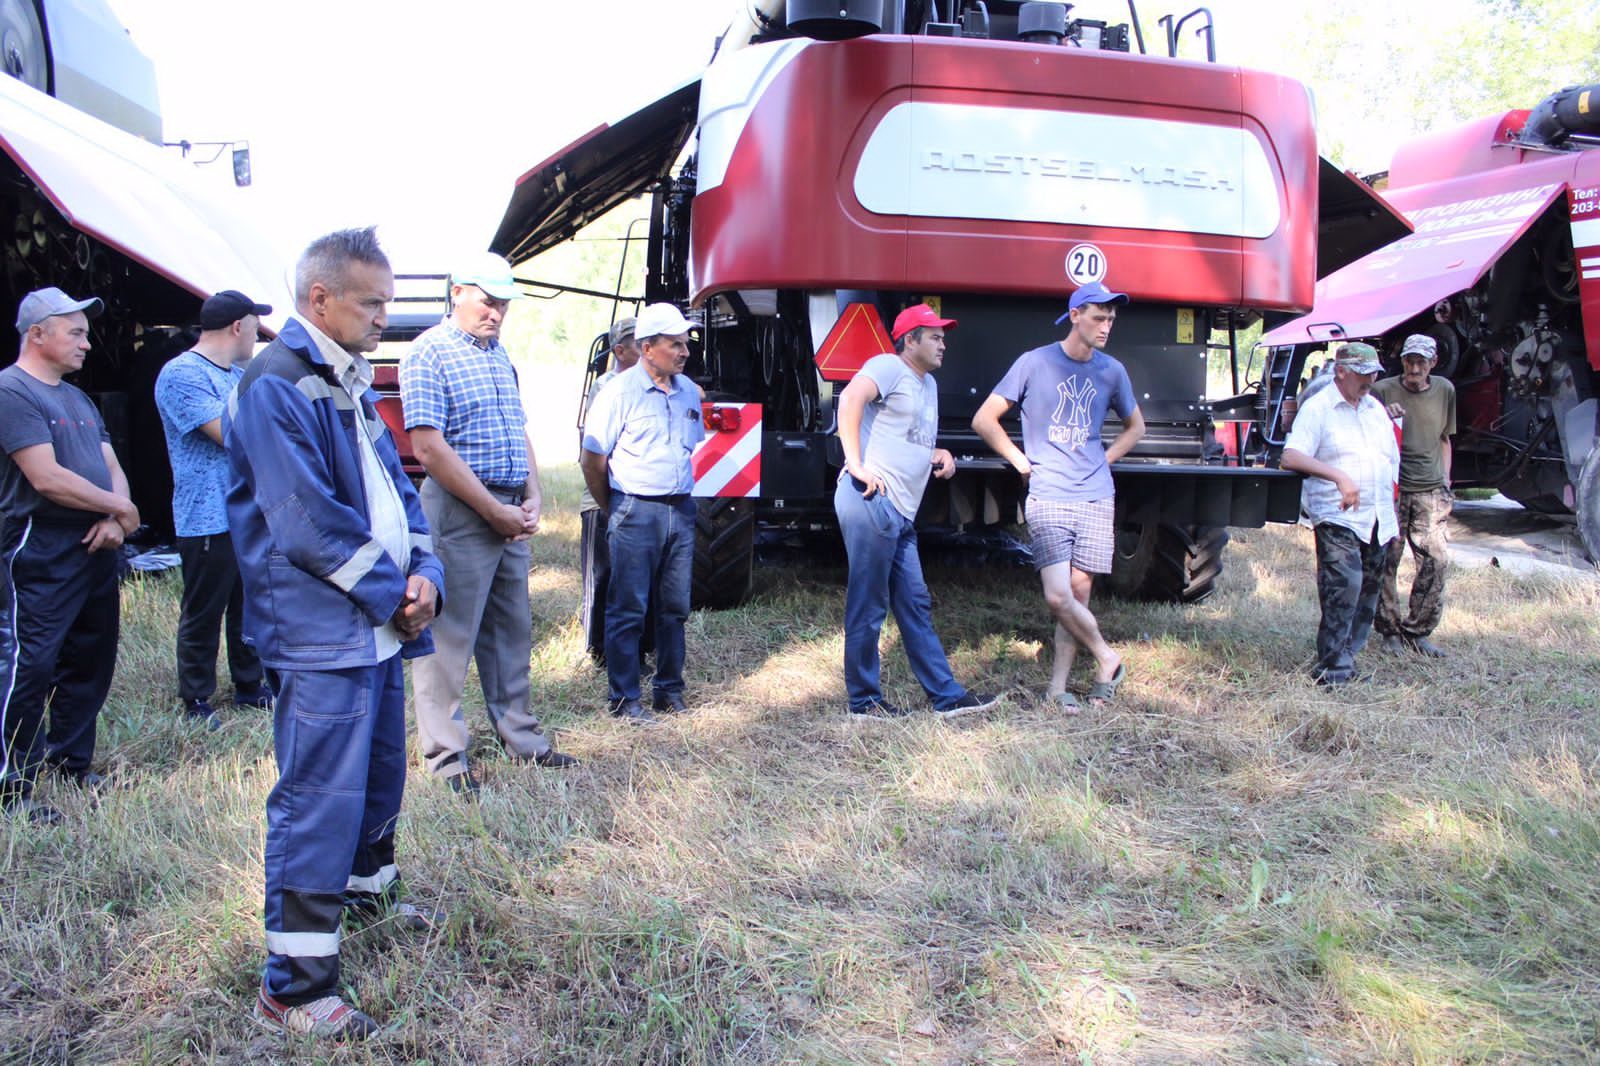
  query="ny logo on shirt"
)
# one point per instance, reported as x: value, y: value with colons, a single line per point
x: 1074, y: 433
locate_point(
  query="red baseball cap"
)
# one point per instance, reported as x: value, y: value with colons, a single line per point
x: 914, y: 316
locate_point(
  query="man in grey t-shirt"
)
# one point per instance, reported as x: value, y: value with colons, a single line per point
x: 67, y: 509
x: 888, y: 422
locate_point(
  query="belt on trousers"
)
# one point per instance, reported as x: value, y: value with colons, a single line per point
x: 518, y: 490
x: 671, y: 497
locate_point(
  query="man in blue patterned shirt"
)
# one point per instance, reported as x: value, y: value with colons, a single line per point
x: 191, y: 393
x: 469, y: 431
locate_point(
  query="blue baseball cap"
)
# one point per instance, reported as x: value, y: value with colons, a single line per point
x: 1092, y: 293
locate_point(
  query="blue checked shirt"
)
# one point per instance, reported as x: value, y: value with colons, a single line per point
x: 467, y: 390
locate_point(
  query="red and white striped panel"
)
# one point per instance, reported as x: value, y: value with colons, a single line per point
x: 728, y: 461
x: 1585, y: 207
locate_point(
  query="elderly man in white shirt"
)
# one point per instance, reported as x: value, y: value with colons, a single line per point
x: 1343, y: 440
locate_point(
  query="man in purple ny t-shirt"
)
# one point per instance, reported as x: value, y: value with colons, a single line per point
x: 1065, y: 391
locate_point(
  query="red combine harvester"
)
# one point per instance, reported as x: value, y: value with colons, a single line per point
x: 1504, y: 272
x: 853, y: 157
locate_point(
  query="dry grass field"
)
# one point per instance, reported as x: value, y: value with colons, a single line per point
x: 1228, y: 865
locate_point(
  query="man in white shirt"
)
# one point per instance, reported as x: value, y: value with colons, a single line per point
x: 1344, y: 442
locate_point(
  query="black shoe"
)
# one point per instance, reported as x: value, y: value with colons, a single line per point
x: 878, y: 709
x: 463, y: 782
x: 35, y: 812
x: 200, y: 710
x: 1424, y: 646
x: 259, y: 698
x: 971, y: 703
x: 670, y: 703
x: 87, y: 780
x: 633, y: 711
x: 554, y: 760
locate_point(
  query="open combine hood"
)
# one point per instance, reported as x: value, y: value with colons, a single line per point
x: 143, y: 202
x: 607, y: 166
x: 1463, y: 226
x: 1352, y: 220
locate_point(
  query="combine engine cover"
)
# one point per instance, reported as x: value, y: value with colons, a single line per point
x: 922, y: 164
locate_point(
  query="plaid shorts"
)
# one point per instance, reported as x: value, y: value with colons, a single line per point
x: 1079, y: 532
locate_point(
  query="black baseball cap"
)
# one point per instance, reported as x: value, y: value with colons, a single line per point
x: 228, y: 307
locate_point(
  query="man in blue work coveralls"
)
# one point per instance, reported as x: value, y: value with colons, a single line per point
x: 340, y: 584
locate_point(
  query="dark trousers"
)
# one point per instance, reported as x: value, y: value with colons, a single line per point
x: 652, y: 558
x: 340, y: 738
x: 595, y: 565
x: 1349, y: 573
x: 212, y: 592
x: 595, y: 562
x: 59, y: 616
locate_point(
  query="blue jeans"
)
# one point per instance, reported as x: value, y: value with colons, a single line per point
x: 651, y: 545
x: 885, y: 572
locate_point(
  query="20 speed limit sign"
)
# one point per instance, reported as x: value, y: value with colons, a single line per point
x: 1086, y: 263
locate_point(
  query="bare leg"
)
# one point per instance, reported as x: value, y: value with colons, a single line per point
x: 1072, y: 614
x: 1066, y: 645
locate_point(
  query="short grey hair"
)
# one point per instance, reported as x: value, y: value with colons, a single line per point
x: 327, y: 260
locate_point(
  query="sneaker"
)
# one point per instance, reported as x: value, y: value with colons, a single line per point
x: 670, y: 703
x: 329, y: 1018
x: 878, y: 709
x: 971, y: 703
x: 200, y: 710
x: 633, y: 711
x: 554, y: 760
x: 259, y: 698
x: 33, y: 811
x: 362, y: 911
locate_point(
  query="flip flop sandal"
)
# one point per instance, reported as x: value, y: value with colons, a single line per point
x: 1066, y: 703
x: 1106, y: 691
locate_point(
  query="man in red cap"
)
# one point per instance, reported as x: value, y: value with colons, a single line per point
x: 888, y: 423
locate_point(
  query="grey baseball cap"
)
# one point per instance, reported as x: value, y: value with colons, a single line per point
x: 621, y: 330
x: 41, y: 304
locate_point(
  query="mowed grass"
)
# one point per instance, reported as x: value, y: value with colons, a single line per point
x: 1228, y: 865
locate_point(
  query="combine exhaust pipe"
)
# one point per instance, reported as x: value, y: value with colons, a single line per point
x: 1572, y: 112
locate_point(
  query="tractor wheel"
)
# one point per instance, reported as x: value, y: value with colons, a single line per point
x: 23, y: 51
x: 1177, y: 564
x: 724, y: 551
x: 1588, y: 501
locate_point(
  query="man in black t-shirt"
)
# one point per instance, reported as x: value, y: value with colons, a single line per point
x: 67, y: 508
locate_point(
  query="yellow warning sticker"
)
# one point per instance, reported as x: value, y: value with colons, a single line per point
x: 1185, y: 325
x: 1583, y: 102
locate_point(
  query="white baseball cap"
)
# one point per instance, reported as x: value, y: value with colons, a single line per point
x: 490, y: 273
x: 658, y: 319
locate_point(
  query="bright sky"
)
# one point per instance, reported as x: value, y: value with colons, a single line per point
x: 420, y: 116
x: 415, y: 116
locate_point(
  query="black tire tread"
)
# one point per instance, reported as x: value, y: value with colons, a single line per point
x: 1173, y: 564
x: 724, y: 551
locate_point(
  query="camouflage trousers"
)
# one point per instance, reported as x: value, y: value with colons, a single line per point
x: 1348, y: 573
x: 1423, y: 525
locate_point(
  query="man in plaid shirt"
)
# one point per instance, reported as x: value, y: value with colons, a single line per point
x: 469, y: 431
